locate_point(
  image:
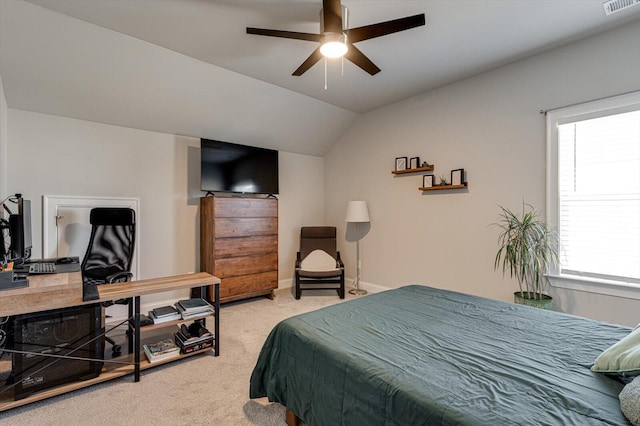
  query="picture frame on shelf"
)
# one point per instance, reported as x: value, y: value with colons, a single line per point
x: 457, y: 177
x: 427, y: 181
x: 414, y: 162
x: 401, y: 163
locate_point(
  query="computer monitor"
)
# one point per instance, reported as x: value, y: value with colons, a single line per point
x: 20, y: 232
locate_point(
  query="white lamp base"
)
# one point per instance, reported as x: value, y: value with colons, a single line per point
x: 357, y: 291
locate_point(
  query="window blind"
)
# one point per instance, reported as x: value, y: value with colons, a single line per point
x: 599, y: 196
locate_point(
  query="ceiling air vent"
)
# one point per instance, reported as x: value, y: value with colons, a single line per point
x: 614, y: 6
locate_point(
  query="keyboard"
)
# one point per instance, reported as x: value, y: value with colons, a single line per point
x: 42, y: 268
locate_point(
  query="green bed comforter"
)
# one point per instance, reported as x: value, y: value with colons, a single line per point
x: 423, y: 356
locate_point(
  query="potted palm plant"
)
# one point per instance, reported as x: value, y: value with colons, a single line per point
x: 527, y: 247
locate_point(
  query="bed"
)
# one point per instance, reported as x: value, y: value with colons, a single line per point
x: 424, y: 356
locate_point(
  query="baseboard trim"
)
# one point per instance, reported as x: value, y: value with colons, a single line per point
x: 348, y: 283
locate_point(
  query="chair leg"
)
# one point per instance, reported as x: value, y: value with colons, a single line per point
x: 296, y: 278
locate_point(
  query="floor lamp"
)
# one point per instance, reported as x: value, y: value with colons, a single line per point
x: 357, y: 213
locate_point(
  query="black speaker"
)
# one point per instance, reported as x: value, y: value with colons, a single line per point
x: 46, y: 337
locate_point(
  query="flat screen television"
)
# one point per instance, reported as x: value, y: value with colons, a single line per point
x: 229, y: 167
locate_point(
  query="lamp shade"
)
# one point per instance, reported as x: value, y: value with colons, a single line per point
x: 357, y: 211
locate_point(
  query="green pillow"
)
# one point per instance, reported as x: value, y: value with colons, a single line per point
x: 622, y: 358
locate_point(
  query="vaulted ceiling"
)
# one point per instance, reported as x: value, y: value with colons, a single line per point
x: 188, y: 66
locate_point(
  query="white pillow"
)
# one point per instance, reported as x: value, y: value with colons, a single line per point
x: 622, y: 358
x: 630, y: 401
x: 318, y: 261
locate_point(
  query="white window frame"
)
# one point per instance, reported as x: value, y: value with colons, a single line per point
x: 594, y: 109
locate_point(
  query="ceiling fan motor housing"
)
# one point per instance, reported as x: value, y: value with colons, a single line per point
x: 345, y: 18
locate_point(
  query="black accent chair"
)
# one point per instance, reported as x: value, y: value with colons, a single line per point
x: 109, y: 253
x: 318, y: 263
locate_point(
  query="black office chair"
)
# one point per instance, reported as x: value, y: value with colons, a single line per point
x: 318, y: 263
x: 109, y: 253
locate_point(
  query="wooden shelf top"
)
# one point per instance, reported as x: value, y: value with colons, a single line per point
x: 419, y: 169
x: 442, y: 187
x: 55, y: 291
x: 155, y: 285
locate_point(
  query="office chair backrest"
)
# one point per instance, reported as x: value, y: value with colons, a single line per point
x: 318, y: 237
x: 111, y: 244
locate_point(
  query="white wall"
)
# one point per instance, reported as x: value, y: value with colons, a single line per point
x: 53, y: 155
x: 301, y: 203
x: 489, y: 125
x: 3, y: 143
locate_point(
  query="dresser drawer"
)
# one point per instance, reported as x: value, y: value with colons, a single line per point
x: 245, y: 246
x: 248, y: 284
x: 246, y: 207
x: 245, y: 227
x: 245, y: 265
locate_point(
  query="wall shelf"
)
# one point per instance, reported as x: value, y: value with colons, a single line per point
x: 419, y: 169
x: 442, y: 187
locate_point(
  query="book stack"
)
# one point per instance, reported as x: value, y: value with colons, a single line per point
x: 164, y: 314
x: 194, y: 308
x: 190, y: 343
x: 164, y: 349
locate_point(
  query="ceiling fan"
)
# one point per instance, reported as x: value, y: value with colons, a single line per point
x: 336, y: 41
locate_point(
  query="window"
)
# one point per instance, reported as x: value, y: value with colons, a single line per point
x: 594, y: 189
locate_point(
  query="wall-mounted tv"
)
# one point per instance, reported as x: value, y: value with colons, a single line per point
x: 229, y: 167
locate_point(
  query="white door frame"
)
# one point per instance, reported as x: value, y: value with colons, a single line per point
x: 50, y: 204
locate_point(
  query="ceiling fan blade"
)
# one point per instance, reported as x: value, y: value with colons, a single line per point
x: 367, y: 32
x: 332, y: 16
x: 309, y: 62
x: 359, y: 59
x: 284, y: 34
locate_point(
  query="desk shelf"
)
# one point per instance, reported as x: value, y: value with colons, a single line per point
x: 109, y: 372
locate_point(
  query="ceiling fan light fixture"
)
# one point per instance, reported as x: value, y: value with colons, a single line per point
x: 334, y: 45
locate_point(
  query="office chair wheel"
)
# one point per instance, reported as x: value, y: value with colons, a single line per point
x: 116, y: 350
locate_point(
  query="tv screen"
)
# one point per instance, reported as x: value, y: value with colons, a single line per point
x: 229, y: 167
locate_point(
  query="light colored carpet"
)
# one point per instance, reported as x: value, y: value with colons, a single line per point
x: 201, y: 390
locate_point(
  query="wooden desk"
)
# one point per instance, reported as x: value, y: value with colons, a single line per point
x: 56, y: 291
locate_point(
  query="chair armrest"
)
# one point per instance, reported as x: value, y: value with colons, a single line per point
x: 118, y: 275
x: 339, y: 260
x: 298, y: 260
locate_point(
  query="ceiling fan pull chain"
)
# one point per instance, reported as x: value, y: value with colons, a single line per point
x: 325, y: 73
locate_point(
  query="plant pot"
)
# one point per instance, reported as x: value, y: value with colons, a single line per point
x: 530, y: 299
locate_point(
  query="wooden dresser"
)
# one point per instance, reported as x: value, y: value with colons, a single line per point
x: 239, y: 244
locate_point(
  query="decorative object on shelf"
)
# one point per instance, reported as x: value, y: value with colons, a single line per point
x: 527, y: 246
x: 413, y: 162
x: 443, y: 180
x: 425, y: 164
x: 401, y: 163
x: 357, y: 212
x: 457, y: 177
x: 427, y: 181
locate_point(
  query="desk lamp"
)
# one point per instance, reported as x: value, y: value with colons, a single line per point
x: 357, y: 213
